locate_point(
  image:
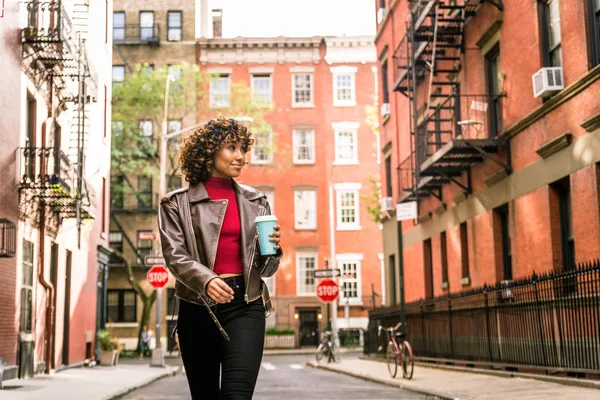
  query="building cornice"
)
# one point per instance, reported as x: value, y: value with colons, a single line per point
x: 253, y: 43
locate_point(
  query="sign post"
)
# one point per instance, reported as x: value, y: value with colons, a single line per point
x: 158, y: 277
x: 404, y: 211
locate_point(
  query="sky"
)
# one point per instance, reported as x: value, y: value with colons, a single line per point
x: 269, y: 18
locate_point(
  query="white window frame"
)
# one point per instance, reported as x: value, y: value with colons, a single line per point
x: 301, y: 288
x: 311, y: 101
x: 120, y: 75
x: 340, y: 190
x: 311, y: 220
x: 268, y: 148
x: 350, y: 258
x: 344, y: 71
x: 268, y: 77
x: 147, y: 129
x: 220, y: 98
x: 345, y: 128
x: 296, y: 144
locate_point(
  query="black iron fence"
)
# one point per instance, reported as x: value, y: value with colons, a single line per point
x: 549, y: 322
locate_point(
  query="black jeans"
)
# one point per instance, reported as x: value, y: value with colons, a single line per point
x: 206, y: 353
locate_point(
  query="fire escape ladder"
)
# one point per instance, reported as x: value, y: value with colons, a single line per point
x: 113, y: 217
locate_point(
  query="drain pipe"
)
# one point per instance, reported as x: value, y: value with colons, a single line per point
x: 48, y: 288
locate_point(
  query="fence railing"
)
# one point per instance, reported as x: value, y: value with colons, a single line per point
x: 548, y: 322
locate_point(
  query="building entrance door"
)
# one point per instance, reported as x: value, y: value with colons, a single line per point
x: 309, y: 328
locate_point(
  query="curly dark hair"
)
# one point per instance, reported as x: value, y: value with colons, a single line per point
x: 197, y: 153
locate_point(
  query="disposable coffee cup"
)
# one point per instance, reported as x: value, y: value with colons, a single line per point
x: 265, y: 225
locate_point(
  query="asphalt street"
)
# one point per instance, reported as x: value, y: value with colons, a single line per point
x: 286, y: 377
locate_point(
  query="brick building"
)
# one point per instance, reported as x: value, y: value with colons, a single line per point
x: 53, y: 219
x: 152, y: 35
x: 313, y: 163
x: 490, y: 121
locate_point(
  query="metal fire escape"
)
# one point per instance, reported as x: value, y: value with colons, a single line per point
x: 450, y: 131
x: 54, y: 57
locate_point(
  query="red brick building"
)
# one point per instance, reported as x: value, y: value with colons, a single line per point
x: 314, y: 164
x: 54, y: 195
x: 490, y: 120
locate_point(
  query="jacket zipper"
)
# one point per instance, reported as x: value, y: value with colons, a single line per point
x: 219, y: 233
x: 262, y: 210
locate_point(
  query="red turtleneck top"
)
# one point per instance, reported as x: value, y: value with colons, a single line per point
x: 229, y: 256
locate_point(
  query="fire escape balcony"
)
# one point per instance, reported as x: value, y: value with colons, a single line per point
x: 135, y: 34
x: 46, y: 175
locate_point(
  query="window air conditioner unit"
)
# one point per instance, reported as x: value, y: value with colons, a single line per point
x: 387, y: 204
x: 385, y: 109
x: 548, y: 81
x: 380, y: 15
x: 174, y: 36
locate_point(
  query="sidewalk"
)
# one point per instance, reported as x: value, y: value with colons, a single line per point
x: 97, y: 383
x: 308, y: 350
x: 455, y: 385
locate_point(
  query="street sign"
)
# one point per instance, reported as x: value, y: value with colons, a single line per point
x: 406, y: 211
x: 153, y: 260
x: 147, y: 235
x: 327, y: 273
x: 158, y: 276
x: 327, y: 291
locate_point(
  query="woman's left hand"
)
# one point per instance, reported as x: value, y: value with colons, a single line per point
x: 276, y: 236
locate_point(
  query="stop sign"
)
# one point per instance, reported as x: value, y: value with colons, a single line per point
x: 327, y: 291
x: 157, y: 276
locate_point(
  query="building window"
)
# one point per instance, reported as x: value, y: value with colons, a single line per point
x: 502, y: 215
x: 428, y: 269
x: 219, y: 91
x: 344, y: 86
x: 350, y: 280
x: 494, y: 83
x: 347, y: 206
x: 305, y: 209
x: 262, y: 150
x: 549, y: 17
x: 261, y: 89
x: 118, y: 74
x: 270, y: 199
x: 302, y: 90
x: 103, y: 207
x: 26, y: 304
x: 464, y: 252
x: 146, y: 130
x: 147, y: 69
x: 144, y: 245
x: 117, y: 128
x: 392, y: 274
x: 384, y: 83
x: 174, y: 71
x: 144, y: 193
x: 594, y: 30
x: 346, y: 143
x: 562, y: 189
x: 121, y: 305
x: 116, y: 192
x: 306, y: 263
x: 303, y: 141
x: 388, y: 176
x: 174, y: 24
x: 115, y: 240
x: 444, y: 258
x: 118, y: 26
x: 146, y: 25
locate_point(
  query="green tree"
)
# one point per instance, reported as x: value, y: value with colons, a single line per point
x: 372, y: 200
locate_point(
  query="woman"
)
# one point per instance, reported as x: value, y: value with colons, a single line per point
x: 208, y: 238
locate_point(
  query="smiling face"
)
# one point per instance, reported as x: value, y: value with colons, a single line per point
x: 229, y: 160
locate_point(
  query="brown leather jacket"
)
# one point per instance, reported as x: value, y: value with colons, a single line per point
x: 190, y: 223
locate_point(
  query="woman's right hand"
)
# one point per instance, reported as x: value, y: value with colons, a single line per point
x: 219, y: 291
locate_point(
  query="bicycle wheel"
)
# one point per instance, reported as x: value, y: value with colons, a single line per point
x: 408, y: 360
x: 320, y: 353
x: 392, y: 359
x: 335, y: 357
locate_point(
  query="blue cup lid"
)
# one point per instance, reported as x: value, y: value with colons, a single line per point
x: 264, y: 218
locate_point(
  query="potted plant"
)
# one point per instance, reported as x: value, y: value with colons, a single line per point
x: 109, y: 354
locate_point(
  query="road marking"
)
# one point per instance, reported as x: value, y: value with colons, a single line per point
x: 296, y: 366
x: 268, y: 366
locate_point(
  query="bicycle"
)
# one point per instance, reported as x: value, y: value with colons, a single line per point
x: 327, y: 348
x: 398, y: 351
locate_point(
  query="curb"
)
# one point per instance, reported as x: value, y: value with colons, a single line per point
x: 587, y: 384
x: 384, y: 381
x: 290, y: 352
x: 140, y: 385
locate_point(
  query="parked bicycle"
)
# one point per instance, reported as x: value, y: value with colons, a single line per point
x: 398, y: 351
x: 327, y: 349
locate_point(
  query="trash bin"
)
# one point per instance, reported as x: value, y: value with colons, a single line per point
x: 2, y: 365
